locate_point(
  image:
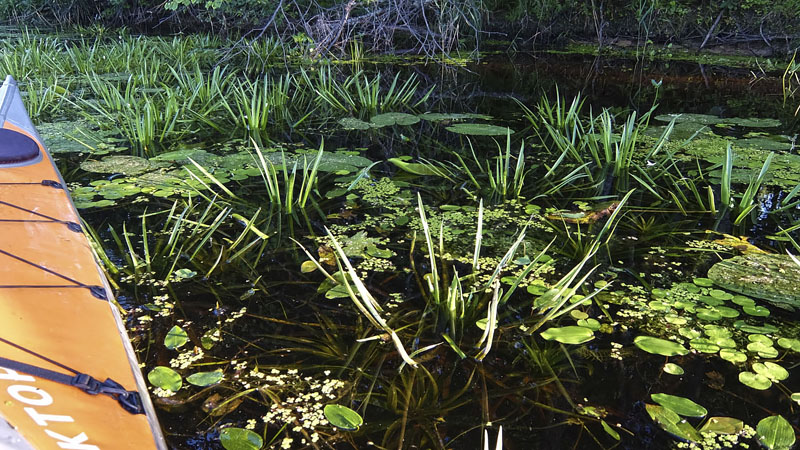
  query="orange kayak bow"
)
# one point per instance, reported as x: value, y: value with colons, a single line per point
x: 69, y: 378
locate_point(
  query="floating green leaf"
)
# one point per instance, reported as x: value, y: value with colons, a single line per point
x: 755, y: 310
x: 343, y: 417
x: 394, y: 118
x: 771, y: 370
x: 673, y: 369
x: 479, y: 129
x: 704, y: 345
x: 722, y: 425
x: 775, y: 433
x: 175, y: 338
x: 417, y: 168
x: 672, y: 423
x: 755, y: 380
x: 165, y: 378
x: 733, y: 356
x: 185, y: 274
x: 658, y: 346
x: 747, y: 328
x: 703, y: 282
x: 592, y: 324
x: 608, y: 429
x: 240, y: 439
x: 351, y: 123
x: 568, y: 335
x: 204, y: 379
x: 763, y: 350
x: 793, y: 344
x: 437, y: 117
x: 680, y: 405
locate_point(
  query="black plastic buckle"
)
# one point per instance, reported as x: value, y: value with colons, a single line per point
x: 86, y: 383
x: 131, y: 402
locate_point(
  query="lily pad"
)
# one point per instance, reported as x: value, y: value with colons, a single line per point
x: 479, y: 129
x: 658, y: 346
x: 755, y: 380
x: 680, y: 405
x: 126, y: 165
x: 722, y: 425
x: 670, y: 422
x: 240, y: 439
x: 343, y: 417
x: 165, y: 378
x: 568, y: 335
x: 756, y: 310
x: 775, y: 372
x: 176, y: 337
x: 747, y: 328
x: 703, y: 282
x: 733, y: 356
x: 754, y: 122
x: 704, y: 345
x: 204, y: 379
x: 394, y: 118
x: 704, y: 119
x: 673, y: 369
x: 351, y: 123
x: 438, y: 117
x: 775, y: 433
x: 793, y: 344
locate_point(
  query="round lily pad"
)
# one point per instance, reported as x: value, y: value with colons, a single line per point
x: 689, y: 333
x: 755, y: 310
x: 351, y: 123
x: 658, y: 346
x: 680, y: 405
x: 760, y: 338
x: 578, y: 314
x: 394, y: 118
x: 675, y: 319
x: 726, y: 312
x: 592, y: 324
x: 763, y: 350
x: 716, y: 331
x: 771, y: 370
x: 708, y: 314
x: 793, y: 344
x: 747, y: 328
x: 479, y: 129
x: 703, y: 282
x: 673, y: 369
x: 704, y: 345
x: 724, y: 342
x: 795, y: 397
x: 568, y: 335
x: 741, y: 300
x: 755, y: 380
x: 720, y: 294
x: 733, y: 356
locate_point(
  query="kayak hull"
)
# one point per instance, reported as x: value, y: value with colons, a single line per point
x: 57, y: 311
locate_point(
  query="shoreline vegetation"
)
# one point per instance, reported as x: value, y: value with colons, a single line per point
x: 321, y: 241
x: 330, y: 28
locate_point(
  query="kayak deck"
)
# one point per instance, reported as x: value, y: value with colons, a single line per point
x: 56, y: 311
